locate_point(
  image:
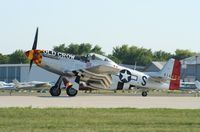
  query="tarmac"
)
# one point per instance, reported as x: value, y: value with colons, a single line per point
x: 95, y: 101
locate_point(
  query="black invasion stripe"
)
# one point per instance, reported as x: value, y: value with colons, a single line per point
x: 120, y: 86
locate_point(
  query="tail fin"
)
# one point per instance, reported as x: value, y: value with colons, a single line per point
x: 175, y: 78
x: 172, y: 70
x: 197, y: 84
x: 17, y: 84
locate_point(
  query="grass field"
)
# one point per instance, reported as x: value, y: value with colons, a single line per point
x: 86, y: 120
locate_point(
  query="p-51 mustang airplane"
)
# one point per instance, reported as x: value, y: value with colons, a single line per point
x: 99, y: 72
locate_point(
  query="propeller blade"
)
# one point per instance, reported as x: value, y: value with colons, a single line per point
x: 31, y: 63
x: 35, y: 40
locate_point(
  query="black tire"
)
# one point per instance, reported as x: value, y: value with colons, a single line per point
x: 55, y: 91
x: 144, y: 93
x: 71, y: 92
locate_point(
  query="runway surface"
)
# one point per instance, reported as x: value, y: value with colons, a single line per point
x: 101, y: 102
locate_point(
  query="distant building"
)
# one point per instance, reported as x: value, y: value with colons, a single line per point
x: 8, y: 72
x: 190, y: 70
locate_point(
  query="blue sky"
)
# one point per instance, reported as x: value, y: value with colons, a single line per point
x: 157, y: 24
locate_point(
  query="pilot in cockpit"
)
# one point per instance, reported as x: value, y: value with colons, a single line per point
x: 93, y: 57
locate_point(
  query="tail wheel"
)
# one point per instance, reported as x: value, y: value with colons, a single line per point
x: 71, y: 92
x: 144, y: 93
x: 55, y: 91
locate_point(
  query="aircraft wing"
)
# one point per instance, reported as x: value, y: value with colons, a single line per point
x: 103, y: 69
x: 96, y: 77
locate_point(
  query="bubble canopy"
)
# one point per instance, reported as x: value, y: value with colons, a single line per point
x: 94, y: 56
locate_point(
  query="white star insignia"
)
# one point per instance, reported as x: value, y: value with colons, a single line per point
x: 125, y: 76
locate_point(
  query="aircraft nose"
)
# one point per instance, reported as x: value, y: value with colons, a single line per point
x: 34, y: 55
x: 29, y: 54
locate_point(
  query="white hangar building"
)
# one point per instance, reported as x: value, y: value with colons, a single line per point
x: 190, y: 70
x: 8, y: 72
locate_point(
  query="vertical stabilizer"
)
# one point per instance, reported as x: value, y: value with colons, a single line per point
x: 167, y: 69
x: 16, y: 82
x: 175, y: 77
x: 171, y: 72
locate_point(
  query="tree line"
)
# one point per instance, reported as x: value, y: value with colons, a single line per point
x: 124, y: 54
x: 17, y: 57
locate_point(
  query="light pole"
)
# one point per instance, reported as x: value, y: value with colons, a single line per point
x: 196, y: 68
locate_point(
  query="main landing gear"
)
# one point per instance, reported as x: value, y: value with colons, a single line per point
x: 71, y: 92
x: 56, y: 90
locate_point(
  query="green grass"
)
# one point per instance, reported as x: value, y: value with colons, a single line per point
x: 86, y: 120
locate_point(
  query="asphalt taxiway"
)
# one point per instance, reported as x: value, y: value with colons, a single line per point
x: 101, y: 102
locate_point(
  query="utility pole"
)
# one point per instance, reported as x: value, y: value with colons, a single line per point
x: 196, y: 68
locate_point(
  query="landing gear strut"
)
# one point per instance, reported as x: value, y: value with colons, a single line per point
x: 144, y: 93
x: 69, y: 89
x: 55, y: 90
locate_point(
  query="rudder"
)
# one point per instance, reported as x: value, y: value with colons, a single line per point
x: 175, y: 77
